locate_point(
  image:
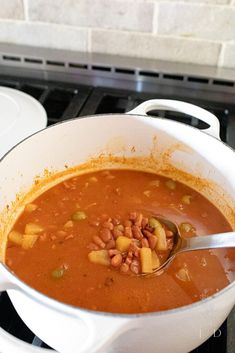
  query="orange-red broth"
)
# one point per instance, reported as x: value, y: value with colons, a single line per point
x: 88, y: 285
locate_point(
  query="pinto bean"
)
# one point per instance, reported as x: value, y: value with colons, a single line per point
x: 110, y: 244
x: 108, y: 225
x: 113, y: 252
x: 135, y: 267
x: 144, y: 243
x: 144, y: 222
x: 116, y: 261
x: 127, y: 223
x: 137, y: 234
x: 132, y: 216
x: 93, y: 246
x: 149, y: 228
x: 147, y: 233
x: 138, y: 220
x: 130, y: 254
x: 128, y: 232
x: 128, y: 261
x: 105, y: 234
x: 124, y: 268
x: 169, y: 233
x: 152, y: 241
x: 98, y: 241
x: 117, y: 233
x: 134, y: 249
x: 116, y: 220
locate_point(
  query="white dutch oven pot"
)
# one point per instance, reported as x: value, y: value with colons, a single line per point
x: 68, y: 329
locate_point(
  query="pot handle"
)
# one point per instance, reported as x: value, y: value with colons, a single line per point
x: 102, y: 331
x: 182, y: 107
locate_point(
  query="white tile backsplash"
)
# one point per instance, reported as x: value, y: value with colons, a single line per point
x: 196, y: 21
x: 11, y: 9
x: 44, y: 35
x: 188, y: 31
x: 155, y: 47
x: 115, y: 14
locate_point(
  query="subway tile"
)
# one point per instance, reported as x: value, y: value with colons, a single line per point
x: 228, y: 55
x: 155, y: 47
x: 196, y: 21
x: 212, y: 2
x: 116, y: 14
x: 44, y: 35
x: 11, y: 9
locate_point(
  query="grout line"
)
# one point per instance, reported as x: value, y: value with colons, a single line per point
x: 221, y: 55
x: 155, y: 18
x: 26, y: 10
x: 89, y: 44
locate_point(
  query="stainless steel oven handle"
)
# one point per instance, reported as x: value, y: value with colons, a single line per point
x: 11, y: 344
x: 182, y: 107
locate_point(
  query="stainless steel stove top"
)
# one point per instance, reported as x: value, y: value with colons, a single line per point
x: 70, y: 84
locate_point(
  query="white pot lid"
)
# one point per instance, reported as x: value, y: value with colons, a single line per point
x: 20, y: 116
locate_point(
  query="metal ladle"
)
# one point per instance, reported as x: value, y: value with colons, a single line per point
x: 214, y: 241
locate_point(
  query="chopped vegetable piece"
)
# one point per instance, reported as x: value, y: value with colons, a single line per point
x: 147, y: 193
x: 186, y: 227
x: 146, y: 260
x: 33, y: 228
x: 155, y: 260
x: 29, y: 240
x: 15, y: 237
x: 99, y: 257
x: 58, y: 273
x: 186, y: 199
x: 161, y: 235
x: 123, y: 243
x: 79, y: 216
x: 93, y: 179
x: 68, y: 224
x: 154, y: 223
x: 155, y: 183
x: 183, y: 274
x: 170, y: 184
x: 119, y: 227
x: 30, y: 207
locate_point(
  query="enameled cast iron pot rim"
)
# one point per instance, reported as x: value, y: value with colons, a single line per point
x: 70, y: 309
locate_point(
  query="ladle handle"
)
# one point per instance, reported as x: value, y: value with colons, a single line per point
x: 221, y: 240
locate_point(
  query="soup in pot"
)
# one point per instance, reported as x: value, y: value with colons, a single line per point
x: 86, y: 240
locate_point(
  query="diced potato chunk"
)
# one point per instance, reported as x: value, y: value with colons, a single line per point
x: 29, y: 240
x: 155, y: 183
x: 147, y: 193
x: 33, y: 228
x: 155, y: 260
x: 146, y: 260
x: 58, y: 273
x: 93, y: 179
x: 186, y: 199
x: 79, y: 216
x: 161, y: 236
x: 123, y: 243
x: 170, y: 184
x: 154, y: 223
x: 99, y: 257
x: 183, y: 274
x: 186, y: 227
x: 15, y: 237
x: 30, y: 207
x: 68, y: 224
